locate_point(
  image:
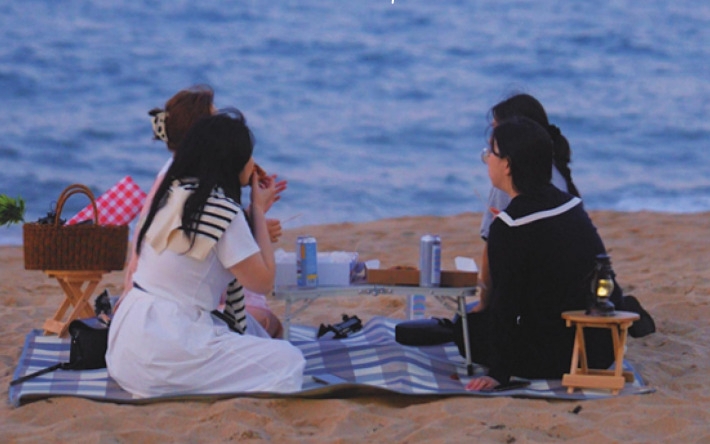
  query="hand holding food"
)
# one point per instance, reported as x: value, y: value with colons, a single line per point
x: 265, y: 180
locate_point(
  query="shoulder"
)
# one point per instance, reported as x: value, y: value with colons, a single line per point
x: 220, y: 203
x: 548, y: 203
x: 498, y: 199
x: 237, y: 243
x: 165, y: 167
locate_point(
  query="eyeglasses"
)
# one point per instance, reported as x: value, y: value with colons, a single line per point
x: 486, y: 152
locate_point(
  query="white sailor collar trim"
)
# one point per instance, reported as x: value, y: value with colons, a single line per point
x: 505, y: 217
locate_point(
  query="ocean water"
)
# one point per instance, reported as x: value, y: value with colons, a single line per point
x: 370, y: 109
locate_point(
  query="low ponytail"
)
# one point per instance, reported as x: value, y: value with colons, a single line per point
x: 528, y: 106
x: 562, y: 156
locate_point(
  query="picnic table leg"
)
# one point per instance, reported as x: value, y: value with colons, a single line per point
x: 287, y: 320
x: 582, y: 348
x: 619, y: 344
x: 59, y: 314
x: 574, y: 367
x: 81, y: 304
x: 75, y: 296
x: 80, y: 296
x: 466, y: 343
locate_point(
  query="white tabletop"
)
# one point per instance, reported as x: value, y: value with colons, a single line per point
x: 293, y: 292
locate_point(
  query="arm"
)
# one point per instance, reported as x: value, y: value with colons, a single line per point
x: 133, y: 261
x: 482, y: 383
x: 274, y: 228
x: 484, y: 286
x: 279, y: 187
x: 484, y: 281
x: 273, y: 225
x: 497, y: 200
x: 507, y: 272
x: 258, y: 270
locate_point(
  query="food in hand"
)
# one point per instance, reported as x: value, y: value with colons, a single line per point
x: 261, y: 175
x: 259, y: 171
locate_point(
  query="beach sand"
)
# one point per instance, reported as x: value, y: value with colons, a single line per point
x: 660, y: 258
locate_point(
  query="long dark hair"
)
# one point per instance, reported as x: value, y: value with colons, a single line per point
x: 528, y: 148
x: 214, y: 152
x: 528, y: 106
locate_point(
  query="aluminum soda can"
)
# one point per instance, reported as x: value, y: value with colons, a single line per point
x: 306, y: 261
x: 430, y: 261
x: 416, y: 306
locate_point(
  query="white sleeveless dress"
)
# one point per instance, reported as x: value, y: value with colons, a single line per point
x: 164, y: 341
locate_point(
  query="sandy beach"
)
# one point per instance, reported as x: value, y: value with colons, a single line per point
x: 660, y: 258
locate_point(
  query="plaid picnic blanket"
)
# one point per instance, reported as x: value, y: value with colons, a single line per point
x: 366, y: 362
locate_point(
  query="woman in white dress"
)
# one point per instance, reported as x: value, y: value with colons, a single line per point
x: 194, y: 242
x: 171, y: 125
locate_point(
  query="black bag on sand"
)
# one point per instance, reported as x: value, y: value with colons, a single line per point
x: 89, y: 341
x: 433, y: 331
x: 645, y: 325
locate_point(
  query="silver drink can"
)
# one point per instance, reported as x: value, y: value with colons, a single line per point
x: 430, y: 261
x: 306, y: 261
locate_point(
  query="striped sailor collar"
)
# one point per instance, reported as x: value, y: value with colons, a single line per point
x: 190, y: 184
x: 213, y: 220
x: 539, y: 215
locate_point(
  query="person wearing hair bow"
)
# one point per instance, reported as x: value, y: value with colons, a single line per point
x: 170, y: 125
x: 195, y: 243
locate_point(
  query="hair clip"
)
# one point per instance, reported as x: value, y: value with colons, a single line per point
x: 159, y: 129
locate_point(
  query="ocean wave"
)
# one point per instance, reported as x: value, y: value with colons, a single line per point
x: 369, y: 109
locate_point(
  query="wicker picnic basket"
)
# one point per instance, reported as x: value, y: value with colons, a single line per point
x: 74, y: 247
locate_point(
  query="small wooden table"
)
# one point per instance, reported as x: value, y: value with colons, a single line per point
x: 580, y: 375
x: 74, y: 296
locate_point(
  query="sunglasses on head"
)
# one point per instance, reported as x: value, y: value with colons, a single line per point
x: 232, y: 112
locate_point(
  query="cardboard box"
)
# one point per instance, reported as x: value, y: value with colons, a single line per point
x: 334, y: 268
x: 456, y: 278
x: 393, y: 277
x: 449, y: 278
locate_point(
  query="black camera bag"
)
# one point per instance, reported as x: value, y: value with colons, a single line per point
x: 89, y: 341
x: 432, y: 331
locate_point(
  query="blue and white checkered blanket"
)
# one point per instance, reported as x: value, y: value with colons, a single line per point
x: 369, y: 360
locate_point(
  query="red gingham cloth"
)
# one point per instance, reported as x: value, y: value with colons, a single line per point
x: 117, y: 206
